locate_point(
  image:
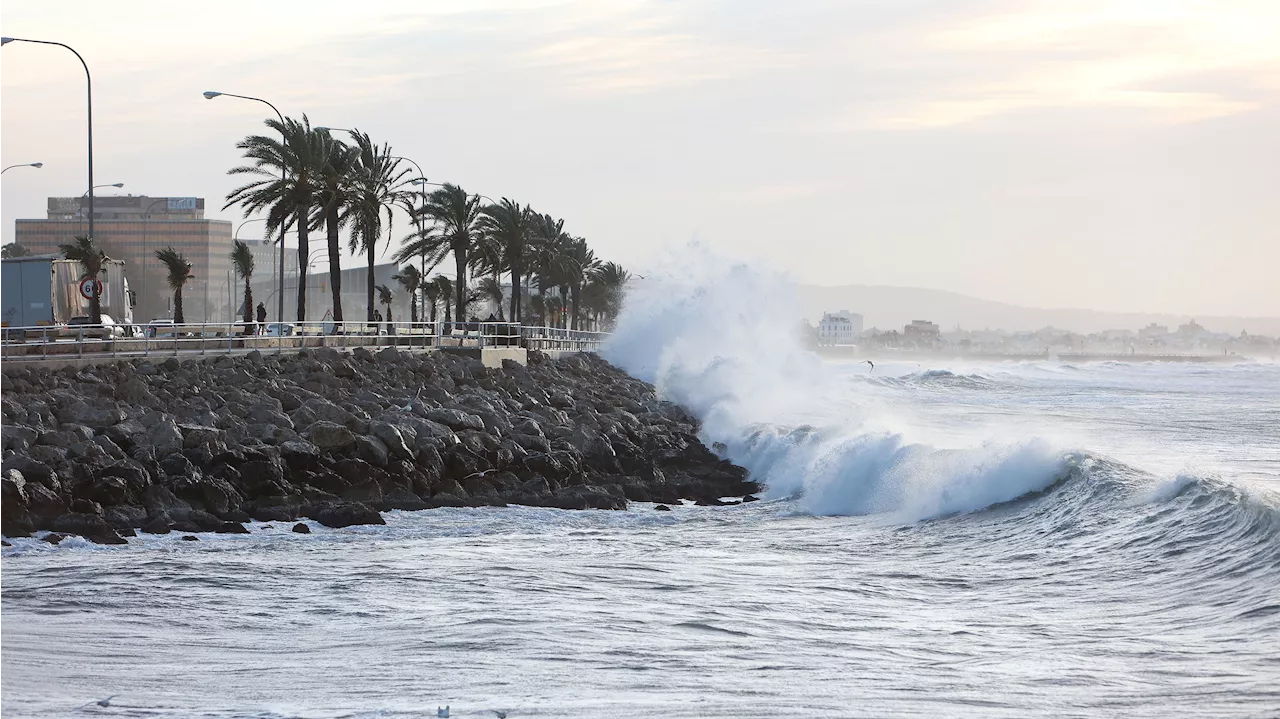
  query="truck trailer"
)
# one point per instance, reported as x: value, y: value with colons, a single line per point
x: 45, y: 290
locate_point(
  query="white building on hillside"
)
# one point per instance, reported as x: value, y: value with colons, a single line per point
x: 839, y: 328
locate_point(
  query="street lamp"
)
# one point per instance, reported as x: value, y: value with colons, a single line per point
x: 209, y: 95
x: 114, y: 184
x: 36, y: 165
x: 89, y: 86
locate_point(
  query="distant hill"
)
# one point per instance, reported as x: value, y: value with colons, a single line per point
x: 893, y: 307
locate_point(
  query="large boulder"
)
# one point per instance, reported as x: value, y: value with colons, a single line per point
x: 455, y: 419
x: 372, y: 450
x: 165, y: 436
x: 15, y: 518
x: 329, y: 436
x: 90, y: 526
x: 393, y: 439
x: 345, y: 514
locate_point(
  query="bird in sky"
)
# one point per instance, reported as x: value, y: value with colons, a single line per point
x: 873, y: 364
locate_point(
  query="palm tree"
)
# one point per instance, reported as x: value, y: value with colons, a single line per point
x: 13, y: 249
x: 377, y: 180
x: 242, y: 260
x: 91, y: 258
x: 444, y: 287
x: 604, y: 290
x: 334, y: 197
x: 457, y: 217
x: 302, y: 156
x: 410, y: 279
x: 431, y: 291
x: 546, y: 258
x: 489, y: 288
x: 579, y: 264
x: 508, y: 227
x: 384, y: 298
x: 179, y: 274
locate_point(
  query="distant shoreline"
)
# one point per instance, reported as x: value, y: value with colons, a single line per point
x: 856, y: 352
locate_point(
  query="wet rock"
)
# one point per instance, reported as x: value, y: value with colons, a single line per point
x: 156, y: 525
x: 190, y: 538
x: 231, y: 528
x: 301, y: 528
x: 90, y: 526
x: 345, y: 515
x: 14, y: 504
x: 54, y: 537
x: 662, y: 508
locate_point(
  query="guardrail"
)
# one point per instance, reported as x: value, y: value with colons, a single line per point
x: 123, y: 341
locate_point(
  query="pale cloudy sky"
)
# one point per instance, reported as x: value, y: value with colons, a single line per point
x: 1109, y: 154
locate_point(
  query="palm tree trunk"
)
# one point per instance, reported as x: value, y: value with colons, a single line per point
x: 95, y: 304
x: 369, y: 251
x: 460, y: 284
x: 515, y: 291
x: 575, y: 293
x: 302, y: 267
x: 335, y: 260
x: 178, y: 317
x: 248, y: 307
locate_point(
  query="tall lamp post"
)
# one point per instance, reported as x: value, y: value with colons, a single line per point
x: 209, y: 95
x: 36, y: 165
x: 89, y: 88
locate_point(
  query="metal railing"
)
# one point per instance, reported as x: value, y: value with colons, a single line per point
x: 201, y: 338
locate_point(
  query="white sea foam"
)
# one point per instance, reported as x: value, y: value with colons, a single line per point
x: 718, y: 338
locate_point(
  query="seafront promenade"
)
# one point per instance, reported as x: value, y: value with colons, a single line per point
x: 490, y: 341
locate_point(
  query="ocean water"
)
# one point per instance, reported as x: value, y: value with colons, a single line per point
x: 937, y: 539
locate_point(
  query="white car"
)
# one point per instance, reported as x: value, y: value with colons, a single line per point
x: 81, y: 326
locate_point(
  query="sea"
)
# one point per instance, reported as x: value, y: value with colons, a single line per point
x: 938, y: 538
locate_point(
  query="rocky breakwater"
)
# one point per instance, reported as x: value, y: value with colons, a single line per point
x: 104, y: 451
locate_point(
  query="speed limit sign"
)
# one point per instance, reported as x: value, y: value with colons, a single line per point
x: 89, y: 287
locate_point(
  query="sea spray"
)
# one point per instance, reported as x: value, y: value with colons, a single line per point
x: 720, y: 338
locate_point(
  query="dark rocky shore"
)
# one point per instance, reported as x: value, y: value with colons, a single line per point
x: 108, y: 450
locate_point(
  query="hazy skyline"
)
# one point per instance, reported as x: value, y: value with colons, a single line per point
x: 1119, y: 155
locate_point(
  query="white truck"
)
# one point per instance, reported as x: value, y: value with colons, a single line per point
x: 47, y: 290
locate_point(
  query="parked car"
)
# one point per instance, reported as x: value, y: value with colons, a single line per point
x: 278, y: 329
x: 160, y: 326
x: 78, y: 326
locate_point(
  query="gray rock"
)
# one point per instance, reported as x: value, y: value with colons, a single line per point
x: 455, y: 419
x: 196, y: 435
x: 329, y: 437
x: 165, y: 436
x: 372, y: 450
x: 393, y: 439
x: 345, y: 515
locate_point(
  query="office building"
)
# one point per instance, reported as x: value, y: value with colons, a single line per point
x: 132, y: 228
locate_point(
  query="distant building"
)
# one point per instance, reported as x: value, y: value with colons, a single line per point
x: 839, y: 328
x: 1191, y: 330
x: 921, y: 331
x: 1153, y: 332
x: 355, y: 291
x: 132, y: 228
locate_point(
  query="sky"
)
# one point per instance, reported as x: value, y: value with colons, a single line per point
x: 1102, y: 154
